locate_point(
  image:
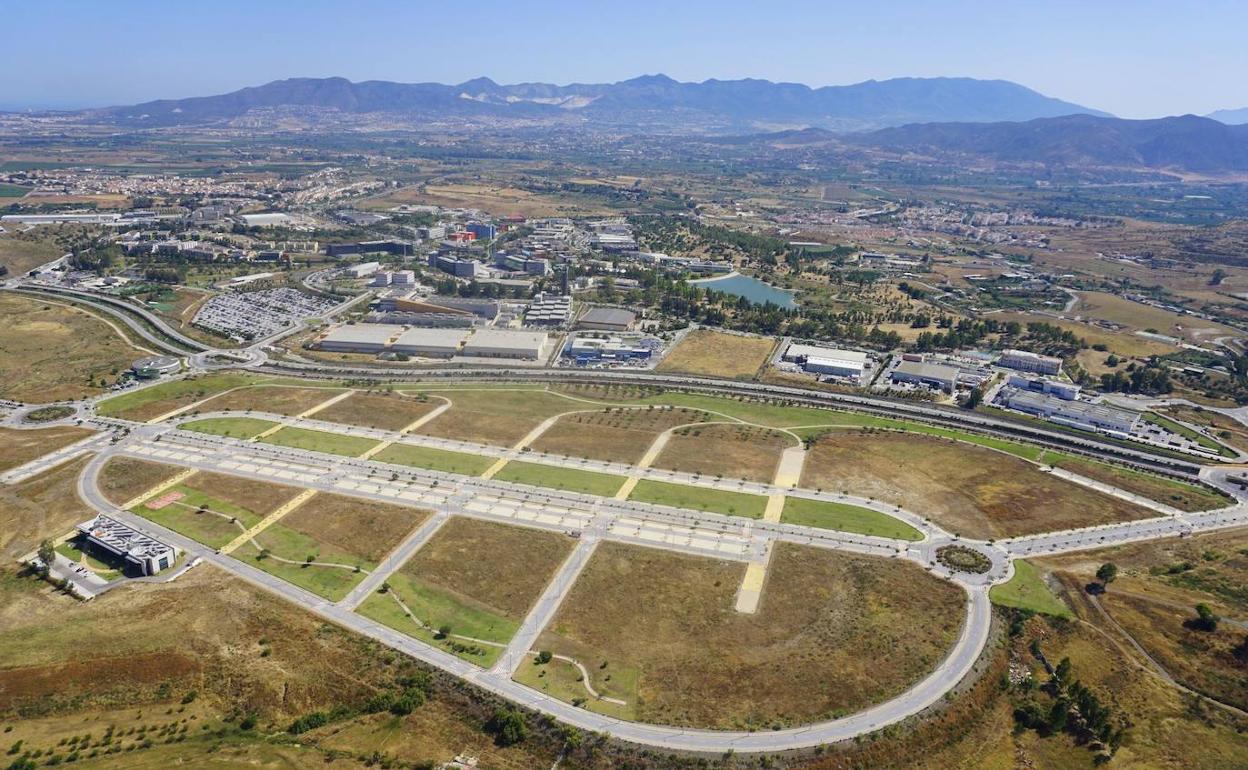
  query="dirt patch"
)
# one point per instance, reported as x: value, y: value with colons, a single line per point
x: 378, y: 410
x: 731, y: 451
x: 716, y: 354
x: 614, y: 435
x: 362, y: 527
x: 18, y: 447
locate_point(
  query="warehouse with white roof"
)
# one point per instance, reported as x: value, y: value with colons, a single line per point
x: 358, y: 338
x: 442, y: 343
x: 504, y: 343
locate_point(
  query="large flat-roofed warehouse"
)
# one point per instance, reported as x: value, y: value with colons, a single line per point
x: 611, y: 319
x: 820, y: 360
x: 924, y: 373
x: 142, y: 554
x: 358, y: 338
x: 429, y: 342
x: 501, y: 343
x: 1078, y: 414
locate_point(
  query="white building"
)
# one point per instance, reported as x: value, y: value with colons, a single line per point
x: 403, y: 278
x: 363, y: 269
x: 441, y: 343
x: 1067, y: 391
x: 358, y: 338
x: 1026, y: 361
x: 269, y: 219
x: 141, y: 553
x: 924, y: 373
x: 502, y: 343
x: 1077, y: 414
x: 821, y: 360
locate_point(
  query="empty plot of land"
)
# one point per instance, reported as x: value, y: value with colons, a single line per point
x: 321, y: 441
x: 328, y: 544
x: 716, y: 354
x: 699, y: 498
x: 52, y: 352
x: 157, y: 400
x: 389, y: 411
x: 43, y: 506
x: 434, y: 459
x: 496, y: 416
x: 1172, y: 492
x: 124, y: 478
x: 214, y: 509
x: 470, y: 586
x: 278, y: 399
x: 846, y: 518
x: 834, y: 634
x: 968, y: 490
x: 555, y: 477
x: 18, y: 447
x: 619, y: 435
x: 731, y: 451
x: 235, y: 427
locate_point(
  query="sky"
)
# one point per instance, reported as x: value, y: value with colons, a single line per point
x: 1138, y: 59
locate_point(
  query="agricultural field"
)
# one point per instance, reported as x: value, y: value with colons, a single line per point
x: 621, y: 434
x: 846, y: 518
x: 498, y: 199
x: 18, y: 447
x: 968, y: 490
x: 1172, y: 492
x: 278, y: 399
x: 727, y: 451
x: 716, y: 354
x: 329, y: 544
x: 646, y: 623
x: 214, y: 509
x: 555, y: 477
x: 496, y: 416
x: 44, y: 506
x: 321, y: 441
x: 1140, y: 317
x: 234, y: 427
x: 694, y: 498
x: 434, y: 459
x: 470, y: 586
x: 53, y: 352
x: 386, y: 411
x: 123, y: 478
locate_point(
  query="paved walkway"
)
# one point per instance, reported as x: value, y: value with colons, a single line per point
x: 269, y: 520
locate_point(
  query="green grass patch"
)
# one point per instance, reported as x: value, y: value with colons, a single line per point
x: 846, y: 518
x: 699, y: 498
x: 72, y: 549
x: 434, y: 459
x: 560, y: 679
x: 555, y: 477
x: 185, y: 518
x: 321, y: 441
x: 1027, y: 591
x: 236, y: 427
x: 435, y: 608
x: 191, y: 389
x: 13, y: 190
x: 331, y: 582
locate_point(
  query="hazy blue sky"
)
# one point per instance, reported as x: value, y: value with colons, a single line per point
x: 1136, y: 59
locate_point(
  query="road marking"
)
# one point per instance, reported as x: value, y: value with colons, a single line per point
x: 161, y: 487
x: 788, y: 472
x: 267, y: 521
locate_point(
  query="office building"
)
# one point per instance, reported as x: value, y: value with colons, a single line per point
x: 395, y: 248
x: 1077, y: 414
x: 928, y: 374
x: 1025, y: 361
x: 142, y: 554
x: 482, y: 230
x: 362, y: 270
x: 1067, y: 391
x: 460, y: 268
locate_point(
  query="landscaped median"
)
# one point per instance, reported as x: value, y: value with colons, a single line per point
x: 699, y: 498
x: 321, y: 441
x: 846, y: 518
x: 1026, y: 590
x: 234, y: 427
x: 434, y: 459
x: 558, y: 477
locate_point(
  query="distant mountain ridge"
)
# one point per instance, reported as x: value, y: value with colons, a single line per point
x: 1230, y: 117
x: 1187, y: 142
x: 649, y: 100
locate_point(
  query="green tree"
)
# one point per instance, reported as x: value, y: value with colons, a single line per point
x: 508, y: 727
x: 1107, y: 572
x: 1206, y: 619
x: 47, y: 554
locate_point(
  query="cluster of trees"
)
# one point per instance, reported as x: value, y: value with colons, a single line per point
x: 410, y: 693
x: 683, y: 234
x: 1075, y: 709
x: 1150, y: 380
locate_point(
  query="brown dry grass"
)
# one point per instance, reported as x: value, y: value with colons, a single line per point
x: 968, y: 490
x: 124, y: 478
x: 259, y: 497
x: 45, y: 506
x: 24, y: 252
x: 716, y: 354
x: 1226, y: 428
x: 731, y: 451
x: 51, y: 352
x: 18, y: 447
x: 278, y: 399
x: 378, y: 410
x: 362, y: 527
x: 613, y: 435
x: 833, y: 634
x: 501, y: 566
x: 495, y: 416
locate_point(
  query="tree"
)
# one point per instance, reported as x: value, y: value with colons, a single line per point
x: 1206, y: 619
x: 1061, y: 674
x: 1106, y: 574
x: 47, y: 554
x: 973, y: 398
x: 544, y: 657
x: 507, y: 726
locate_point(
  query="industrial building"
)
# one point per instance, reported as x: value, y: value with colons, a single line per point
x: 548, y: 310
x: 609, y: 319
x: 1077, y: 414
x: 358, y: 338
x: 1067, y: 391
x: 439, y: 343
x: 1025, y: 361
x: 155, y: 366
x: 362, y: 270
x: 270, y: 219
x: 143, y: 555
x: 397, y: 248
x: 462, y: 312
x: 925, y: 373
x: 820, y: 360
x: 589, y: 349
x: 502, y: 343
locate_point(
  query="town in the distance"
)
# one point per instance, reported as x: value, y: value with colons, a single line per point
x: 650, y: 424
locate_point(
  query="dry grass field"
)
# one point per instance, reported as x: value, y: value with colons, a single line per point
x: 124, y: 478
x: 833, y: 634
x: 1137, y: 316
x: 387, y: 411
x: 614, y: 435
x: 50, y: 352
x: 45, y: 506
x: 258, y: 496
x: 18, y: 447
x: 731, y: 451
x: 716, y: 354
x: 24, y: 252
x: 363, y: 527
x: 494, y: 416
x: 1124, y: 343
x: 150, y: 403
x: 278, y: 399
x: 1227, y: 429
x: 500, y: 566
x: 1178, y: 494
x: 968, y: 490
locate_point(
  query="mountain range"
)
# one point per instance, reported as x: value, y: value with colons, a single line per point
x: 644, y: 102
x: 1231, y: 117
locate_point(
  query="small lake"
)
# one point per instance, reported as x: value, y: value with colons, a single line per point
x: 751, y: 288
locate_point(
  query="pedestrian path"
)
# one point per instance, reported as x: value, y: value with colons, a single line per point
x: 788, y: 473
x: 269, y: 520
x: 161, y: 487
